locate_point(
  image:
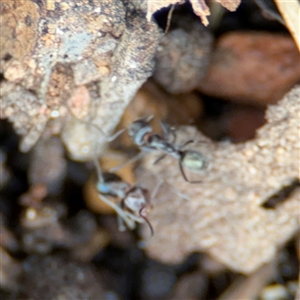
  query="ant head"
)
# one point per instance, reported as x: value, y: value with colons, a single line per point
x: 194, y: 160
x: 138, y: 129
x: 136, y: 199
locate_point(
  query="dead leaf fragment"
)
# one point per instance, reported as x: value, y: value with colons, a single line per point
x: 290, y: 11
x: 199, y: 6
x: 201, y: 10
x: 231, y: 5
x: 154, y: 6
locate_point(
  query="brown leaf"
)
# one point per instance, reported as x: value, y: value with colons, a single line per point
x: 290, y: 11
x: 201, y: 10
x: 231, y: 5
x: 154, y: 6
x: 199, y: 6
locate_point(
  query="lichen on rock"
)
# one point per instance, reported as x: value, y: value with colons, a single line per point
x: 94, y: 54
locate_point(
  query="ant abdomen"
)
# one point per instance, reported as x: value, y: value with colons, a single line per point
x: 194, y: 160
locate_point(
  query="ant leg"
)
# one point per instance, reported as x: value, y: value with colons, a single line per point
x: 165, y: 128
x: 129, y: 214
x: 184, y: 175
x: 132, y: 160
x: 174, y: 190
x: 186, y: 143
x: 191, y: 141
x: 159, y: 159
x: 133, y: 217
x: 122, y: 216
x: 118, y: 210
x: 168, y: 131
x: 91, y: 124
x: 121, y: 224
x: 114, y: 136
x: 147, y: 119
x: 157, y: 187
x: 97, y: 165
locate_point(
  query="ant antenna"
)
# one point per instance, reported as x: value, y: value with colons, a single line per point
x: 148, y: 119
x: 119, y: 211
x: 184, y: 175
x: 146, y: 220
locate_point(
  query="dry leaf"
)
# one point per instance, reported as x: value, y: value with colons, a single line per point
x: 199, y: 6
x: 155, y: 5
x: 231, y: 5
x: 290, y: 11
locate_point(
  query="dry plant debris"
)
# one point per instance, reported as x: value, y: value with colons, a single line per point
x: 290, y: 11
x: 75, y: 63
x: 199, y: 6
x: 224, y: 216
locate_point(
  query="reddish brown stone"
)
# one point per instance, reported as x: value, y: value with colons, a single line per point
x: 250, y: 67
x: 241, y: 123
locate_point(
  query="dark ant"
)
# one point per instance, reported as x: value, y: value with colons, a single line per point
x: 134, y: 200
x: 140, y: 132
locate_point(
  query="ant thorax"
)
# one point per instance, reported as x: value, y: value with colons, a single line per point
x: 157, y: 142
x: 136, y: 199
x: 113, y: 186
x: 139, y: 132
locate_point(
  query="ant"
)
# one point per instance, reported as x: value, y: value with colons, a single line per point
x: 134, y: 199
x: 140, y: 131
